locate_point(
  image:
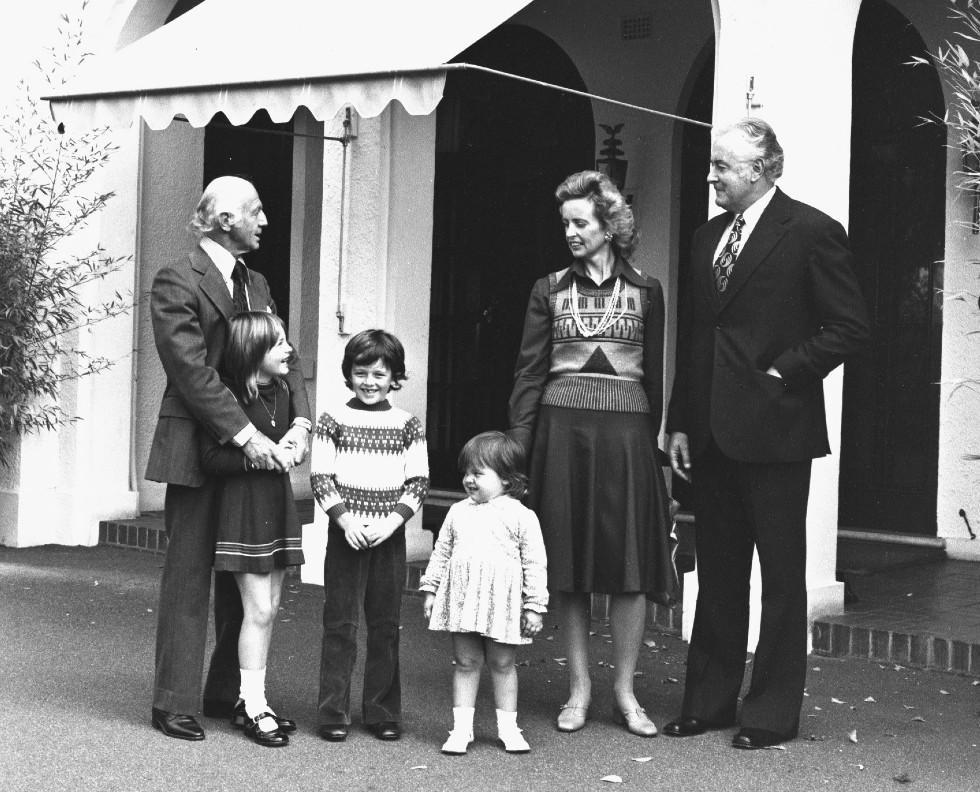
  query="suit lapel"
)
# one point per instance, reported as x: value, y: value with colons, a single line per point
x: 212, y: 284
x: 767, y: 232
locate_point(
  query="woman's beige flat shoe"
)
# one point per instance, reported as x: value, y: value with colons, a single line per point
x: 572, y: 718
x: 635, y: 721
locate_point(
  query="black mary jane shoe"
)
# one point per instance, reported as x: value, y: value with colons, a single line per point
x: 239, y: 718
x: 268, y: 739
x: 176, y: 725
x: 385, y: 730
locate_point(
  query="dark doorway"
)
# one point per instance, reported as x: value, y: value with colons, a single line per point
x: 695, y: 145
x: 261, y: 152
x: 890, y: 431
x: 695, y: 153
x: 501, y: 149
x: 180, y: 8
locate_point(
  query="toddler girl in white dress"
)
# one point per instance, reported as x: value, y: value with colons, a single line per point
x: 487, y: 584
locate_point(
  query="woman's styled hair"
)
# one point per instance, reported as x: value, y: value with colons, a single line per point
x: 251, y: 335
x: 500, y: 453
x: 371, y: 345
x: 608, y: 204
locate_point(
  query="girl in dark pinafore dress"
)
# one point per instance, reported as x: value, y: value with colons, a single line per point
x: 258, y: 529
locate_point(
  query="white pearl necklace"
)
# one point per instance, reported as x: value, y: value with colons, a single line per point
x: 607, y: 320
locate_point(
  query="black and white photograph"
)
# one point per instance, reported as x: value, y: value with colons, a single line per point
x: 543, y: 395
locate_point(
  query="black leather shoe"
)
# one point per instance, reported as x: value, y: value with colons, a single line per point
x: 173, y: 724
x: 268, y: 739
x: 336, y: 732
x: 239, y: 718
x: 749, y: 739
x: 385, y: 730
x: 217, y: 708
x: 688, y: 727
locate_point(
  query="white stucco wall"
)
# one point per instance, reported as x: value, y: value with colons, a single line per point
x: 66, y: 481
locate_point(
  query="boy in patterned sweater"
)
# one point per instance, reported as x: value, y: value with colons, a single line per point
x: 370, y: 474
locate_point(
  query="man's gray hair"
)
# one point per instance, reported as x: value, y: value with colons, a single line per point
x: 760, y: 135
x: 223, y: 195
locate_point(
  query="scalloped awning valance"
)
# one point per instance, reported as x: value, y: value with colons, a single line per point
x: 239, y: 56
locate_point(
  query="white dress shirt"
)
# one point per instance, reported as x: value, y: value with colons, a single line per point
x: 225, y: 262
x: 751, y: 215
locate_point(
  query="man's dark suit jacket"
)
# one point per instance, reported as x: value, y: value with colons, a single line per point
x: 794, y: 303
x: 190, y: 307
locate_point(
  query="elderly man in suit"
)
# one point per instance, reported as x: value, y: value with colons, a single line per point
x: 191, y: 303
x: 773, y: 305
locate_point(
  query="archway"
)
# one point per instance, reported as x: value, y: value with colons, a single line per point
x: 890, y: 430
x: 501, y: 149
x: 695, y: 145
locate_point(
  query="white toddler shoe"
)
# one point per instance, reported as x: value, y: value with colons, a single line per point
x: 458, y: 742
x: 510, y: 735
x: 462, y: 734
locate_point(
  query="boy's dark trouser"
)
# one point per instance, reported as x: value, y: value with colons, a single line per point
x: 376, y: 578
x: 182, y: 616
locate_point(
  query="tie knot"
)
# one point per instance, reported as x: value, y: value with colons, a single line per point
x: 739, y: 222
x: 238, y: 271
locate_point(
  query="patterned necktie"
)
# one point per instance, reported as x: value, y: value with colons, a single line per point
x: 238, y: 295
x: 725, y: 262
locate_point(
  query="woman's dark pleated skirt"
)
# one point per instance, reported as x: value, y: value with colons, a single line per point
x: 598, y: 490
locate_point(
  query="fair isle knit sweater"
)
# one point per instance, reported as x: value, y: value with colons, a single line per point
x: 617, y: 370
x: 370, y: 461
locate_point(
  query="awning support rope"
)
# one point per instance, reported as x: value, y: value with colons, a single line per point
x: 563, y: 89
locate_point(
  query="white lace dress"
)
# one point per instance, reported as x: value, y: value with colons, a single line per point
x: 487, y: 566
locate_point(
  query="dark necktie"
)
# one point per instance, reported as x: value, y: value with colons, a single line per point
x: 238, y: 294
x: 725, y: 262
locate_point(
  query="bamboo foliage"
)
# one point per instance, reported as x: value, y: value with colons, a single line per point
x: 45, y: 291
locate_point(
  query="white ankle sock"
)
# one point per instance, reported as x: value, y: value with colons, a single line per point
x: 253, y: 691
x: 506, y: 720
x: 463, y: 719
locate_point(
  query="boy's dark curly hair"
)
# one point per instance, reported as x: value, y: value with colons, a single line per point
x: 370, y: 345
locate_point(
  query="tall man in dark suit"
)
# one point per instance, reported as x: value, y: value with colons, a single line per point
x: 772, y: 307
x: 191, y: 303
